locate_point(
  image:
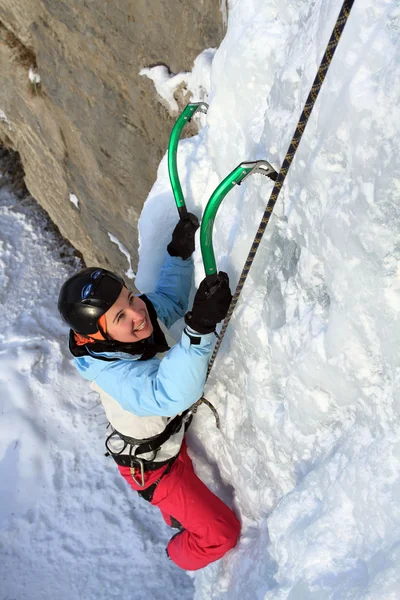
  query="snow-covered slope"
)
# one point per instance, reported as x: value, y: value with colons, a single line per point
x: 307, y: 378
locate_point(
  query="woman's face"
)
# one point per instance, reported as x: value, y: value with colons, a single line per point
x: 128, y: 320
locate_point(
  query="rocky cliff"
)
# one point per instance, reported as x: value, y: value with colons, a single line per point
x: 89, y: 130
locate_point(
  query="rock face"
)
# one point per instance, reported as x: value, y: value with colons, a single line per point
x: 91, y: 126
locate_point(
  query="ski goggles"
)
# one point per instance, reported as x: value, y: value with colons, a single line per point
x: 103, y: 289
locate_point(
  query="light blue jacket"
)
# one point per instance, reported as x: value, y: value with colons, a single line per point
x: 157, y: 387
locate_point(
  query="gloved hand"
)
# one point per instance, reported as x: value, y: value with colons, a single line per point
x: 210, y: 306
x: 182, y: 243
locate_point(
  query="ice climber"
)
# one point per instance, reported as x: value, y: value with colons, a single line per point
x: 118, y: 344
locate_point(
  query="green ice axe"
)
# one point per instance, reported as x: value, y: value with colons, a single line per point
x: 236, y: 177
x: 184, y: 118
x: 242, y: 171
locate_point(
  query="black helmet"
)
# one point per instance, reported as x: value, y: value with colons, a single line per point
x: 86, y: 296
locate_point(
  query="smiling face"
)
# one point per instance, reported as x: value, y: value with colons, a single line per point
x: 128, y: 320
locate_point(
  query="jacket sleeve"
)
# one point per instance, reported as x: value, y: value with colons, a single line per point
x: 164, y: 388
x: 171, y: 295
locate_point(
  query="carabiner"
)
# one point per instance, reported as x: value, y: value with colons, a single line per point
x: 132, y: 469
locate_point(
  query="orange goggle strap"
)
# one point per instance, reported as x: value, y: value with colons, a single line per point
x: 82, y: 340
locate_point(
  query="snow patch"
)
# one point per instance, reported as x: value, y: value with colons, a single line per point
x: 74, y: 200
x: 4, y: 119
x: 197, y: 82
x: 129, y: 273
x: 34, y: 76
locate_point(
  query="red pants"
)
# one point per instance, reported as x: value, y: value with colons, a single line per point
x: 210, y: 527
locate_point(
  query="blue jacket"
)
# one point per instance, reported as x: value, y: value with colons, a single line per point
x: 157, y: 387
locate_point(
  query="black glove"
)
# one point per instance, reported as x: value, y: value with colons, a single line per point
x: 210, y: 305
x: 182, y: 243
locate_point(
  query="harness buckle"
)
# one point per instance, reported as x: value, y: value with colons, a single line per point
x: 141, y: 466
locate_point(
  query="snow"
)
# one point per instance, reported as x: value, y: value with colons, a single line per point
x: 129, y: 273
x: 307, y: 380
x: 197, y: 81
x: 4, y: 119
x: 33, y: 76
x: 74, y: 200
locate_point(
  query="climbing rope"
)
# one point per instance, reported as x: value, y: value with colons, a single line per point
x: 305, y: 115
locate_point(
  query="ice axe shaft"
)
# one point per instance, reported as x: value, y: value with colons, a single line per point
x: 185, y: 117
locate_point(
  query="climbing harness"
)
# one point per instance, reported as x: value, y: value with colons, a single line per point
x: 138, y: 447
x: 208, y: 257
